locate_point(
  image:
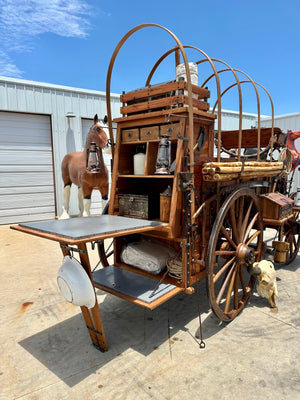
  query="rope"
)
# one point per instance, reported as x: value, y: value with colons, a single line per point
x: 174, y: 266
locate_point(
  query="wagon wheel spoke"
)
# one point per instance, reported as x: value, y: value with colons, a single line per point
x: 233, y: 223
x: 228, y: 238
x: 226, y: 280
x: 250, y: 226
x: 229, y: 292
x: 242, y: 280
x: 236, y: 240
x: 240, y: 215
x: 223, y: 269
x: 254, y: 236
x: 292, y: 237
x: 225, y: 252
x: 246, y: 219
x: 236, y: 290
x: 105, y: 250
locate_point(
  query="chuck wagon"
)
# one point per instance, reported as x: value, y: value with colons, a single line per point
x: 182, y: 185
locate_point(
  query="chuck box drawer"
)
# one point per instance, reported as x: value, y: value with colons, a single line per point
x: 130, y: 135
x: 149, y: 133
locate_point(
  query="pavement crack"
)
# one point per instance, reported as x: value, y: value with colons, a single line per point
x: 280, y: 320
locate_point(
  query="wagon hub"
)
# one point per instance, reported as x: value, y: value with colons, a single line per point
x: 245, y: 254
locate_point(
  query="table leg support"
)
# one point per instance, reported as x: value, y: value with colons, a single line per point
x: 91, y: 316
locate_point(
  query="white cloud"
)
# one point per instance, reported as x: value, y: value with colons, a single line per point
x: 22, y: 21
x: 7, y: 68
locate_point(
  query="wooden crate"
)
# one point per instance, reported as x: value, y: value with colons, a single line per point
x: 276, y: 206
x: 162, y: 96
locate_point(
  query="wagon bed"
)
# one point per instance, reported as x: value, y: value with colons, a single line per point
x: 222, y: 197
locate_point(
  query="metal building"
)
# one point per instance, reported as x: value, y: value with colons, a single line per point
x: 39, y: 124
x: 230, y: 120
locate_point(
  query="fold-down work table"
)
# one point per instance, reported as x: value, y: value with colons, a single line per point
x: 78, y: 232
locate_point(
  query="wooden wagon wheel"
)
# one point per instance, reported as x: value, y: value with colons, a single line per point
x: 290, y: 234
x: 235, y: 243
x: 105, y: 250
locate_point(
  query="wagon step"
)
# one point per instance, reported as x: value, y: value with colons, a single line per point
x: 135, y: 288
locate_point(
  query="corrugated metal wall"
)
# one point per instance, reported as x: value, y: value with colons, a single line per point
x: 54, y: 100
x: 230, y: 120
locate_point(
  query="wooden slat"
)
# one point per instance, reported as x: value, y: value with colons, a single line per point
x: 161, y: 103
x: 249, y: 137
x: 143, y: 119
x: 161, y: 89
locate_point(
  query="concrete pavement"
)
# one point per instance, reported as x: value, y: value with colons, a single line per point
x: 46, y: 351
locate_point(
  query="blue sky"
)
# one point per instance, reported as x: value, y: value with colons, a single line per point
x: 70, y: 42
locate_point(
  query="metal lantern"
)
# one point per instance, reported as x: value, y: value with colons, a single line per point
x: 93, y: 159
x: 163, y: 161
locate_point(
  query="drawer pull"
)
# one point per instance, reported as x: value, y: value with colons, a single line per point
x: 148, y: 133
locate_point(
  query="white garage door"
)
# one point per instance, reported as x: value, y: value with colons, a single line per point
x: 26, y: 168
x: 96, y: 206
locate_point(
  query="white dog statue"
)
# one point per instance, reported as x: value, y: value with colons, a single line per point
x: 267, y: 286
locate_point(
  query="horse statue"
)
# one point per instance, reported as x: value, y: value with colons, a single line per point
x: 290, y: 144
x: 86, y: 170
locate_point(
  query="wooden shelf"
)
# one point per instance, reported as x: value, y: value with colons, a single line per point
x: 134, y: 287
x: 276, y: 222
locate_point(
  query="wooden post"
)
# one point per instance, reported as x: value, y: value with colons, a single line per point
x: 93, y: 322
x: 97, y: 326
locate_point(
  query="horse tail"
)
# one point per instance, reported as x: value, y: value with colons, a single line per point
x: 65, y: 171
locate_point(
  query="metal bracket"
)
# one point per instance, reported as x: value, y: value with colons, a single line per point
x: 185, y: 245
x: 98, y: 348
x: 94, y: 330
x: 184, y: 139
x: 185, y: 180
x: 71, y: 249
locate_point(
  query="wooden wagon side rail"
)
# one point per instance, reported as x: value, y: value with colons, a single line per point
x: 230, y: 139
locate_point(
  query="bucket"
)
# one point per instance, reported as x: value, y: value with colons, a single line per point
x: 280, y: 250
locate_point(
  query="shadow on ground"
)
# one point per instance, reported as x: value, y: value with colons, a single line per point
x: 66, y: 349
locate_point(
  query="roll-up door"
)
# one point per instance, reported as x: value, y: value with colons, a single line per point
x: 26, y: 168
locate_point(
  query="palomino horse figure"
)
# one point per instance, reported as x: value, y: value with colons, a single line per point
x: 75, y: 170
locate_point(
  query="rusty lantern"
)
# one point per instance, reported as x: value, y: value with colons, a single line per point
x: 93, y: 159
x: 163, y: 161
